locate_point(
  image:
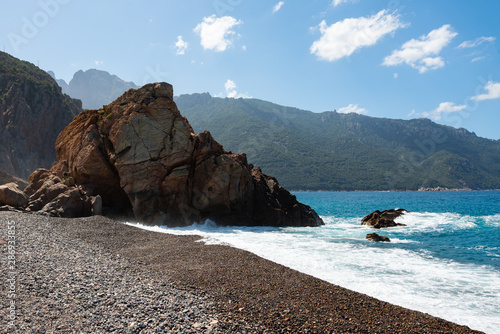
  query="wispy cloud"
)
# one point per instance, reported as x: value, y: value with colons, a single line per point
x: 335, y: 3
x: 217, y: 33
x: 492, y: 92
x: 477, y: 59
x: 352, y: 108
x: 342, y: 38
x: 443, y: 108
x: 478, y: 41
x: 231, y: 91
x: 278, y: 6
x: 181, y: 45
x: 421, y: 54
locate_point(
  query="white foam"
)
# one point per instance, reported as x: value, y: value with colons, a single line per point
x: 493, y: 220
x: 467, y: 294
x: 418, y: 222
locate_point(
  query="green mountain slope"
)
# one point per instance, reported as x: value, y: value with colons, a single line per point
x: 333, y: 151
x: 33, y: 111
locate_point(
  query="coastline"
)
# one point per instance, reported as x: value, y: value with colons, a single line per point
x: 384, y: 191
x: 240, y: 290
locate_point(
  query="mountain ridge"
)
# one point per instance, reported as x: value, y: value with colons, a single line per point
x: 335, y: 151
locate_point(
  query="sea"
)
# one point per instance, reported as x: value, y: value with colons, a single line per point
x: 445, y: 262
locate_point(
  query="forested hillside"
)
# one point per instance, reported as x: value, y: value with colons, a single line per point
x: 334, y: 151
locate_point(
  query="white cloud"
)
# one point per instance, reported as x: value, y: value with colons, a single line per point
x: 231, y: 91
x: 353, y: 108
x: 492, y: 92
x: 477, y: 59
x: 335, y: 3
x: 98, y: 62
x: 443, y: 108
x: 395, y: 76
x: 478, y: 41
x: 342, y: 38
x: 417, y: 52
x: 217, y: 33
x: 446, y: 107
x: 181, y: 45
x: 278, y: 6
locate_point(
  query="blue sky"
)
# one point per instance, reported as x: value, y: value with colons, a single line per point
x: 393, y: 58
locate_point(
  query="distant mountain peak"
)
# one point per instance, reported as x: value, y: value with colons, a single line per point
x: 95, y: 87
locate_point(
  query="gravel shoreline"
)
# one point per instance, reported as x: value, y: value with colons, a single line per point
x: 96, y: 275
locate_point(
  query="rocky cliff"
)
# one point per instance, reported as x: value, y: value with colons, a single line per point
x: 140, y: 153
x: 33, y: 111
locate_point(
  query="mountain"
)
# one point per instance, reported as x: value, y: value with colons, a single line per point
x: 33, y: 111
x: 94, y: 87
x: 335, y: 151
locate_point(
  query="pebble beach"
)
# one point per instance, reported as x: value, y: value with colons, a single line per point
x: 97, y: 275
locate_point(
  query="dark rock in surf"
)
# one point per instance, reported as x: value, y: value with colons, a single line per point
x: 383, y: 219
x: 377, y: 238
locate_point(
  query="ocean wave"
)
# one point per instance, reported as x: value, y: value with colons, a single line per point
x: 338, y: 253
x: 493, y: 220
x: 425, y: 222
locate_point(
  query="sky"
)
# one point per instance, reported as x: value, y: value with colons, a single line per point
x: 400, y: 59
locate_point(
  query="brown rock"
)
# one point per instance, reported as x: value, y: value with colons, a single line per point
x: 11, y: 195
x: 50, y: 195
x: 377, y: 238
x: 383, y: 219
x: 139, y: 152
x: 7, y: 178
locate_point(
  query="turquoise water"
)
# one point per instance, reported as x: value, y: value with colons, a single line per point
x: 445, y: 262
x: 466, y: 227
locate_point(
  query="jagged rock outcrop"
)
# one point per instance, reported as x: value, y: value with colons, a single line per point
x: 139, y: 152
x: 378, y: 219
x: 52, y: 195
x: 33, y: 111
x: 377, y: 238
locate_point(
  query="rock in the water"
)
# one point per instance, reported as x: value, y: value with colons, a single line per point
x: 11, y: 195
x: 377, y: 238
x: 140, y: 153
x: 383, y: 219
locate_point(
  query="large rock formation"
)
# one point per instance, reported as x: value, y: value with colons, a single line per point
x: 33, y: 111
x: 139, y: 152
